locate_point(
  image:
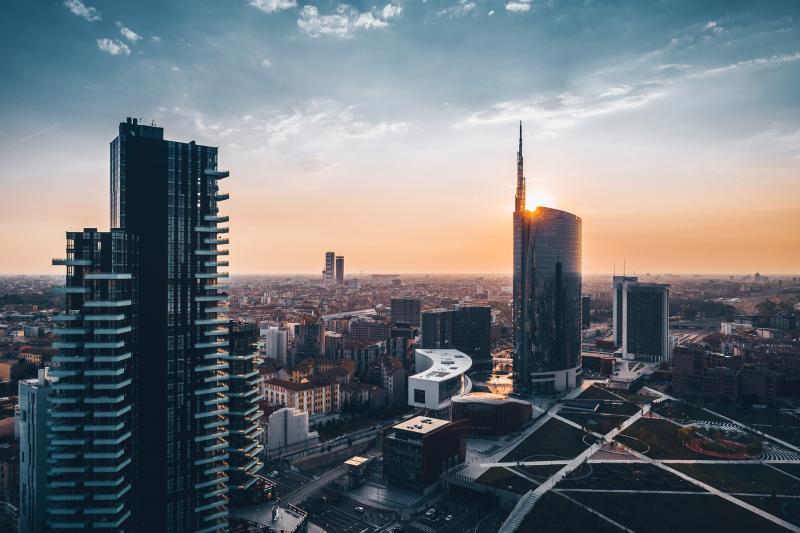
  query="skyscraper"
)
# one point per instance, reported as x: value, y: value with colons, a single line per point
x: 467, y: 328
x: 645, y: 321
x: 143, y: 355
x: 546, y: 295
x: 327, y: 274
x: 618, y: 284
x: 340, y: 270
x: 245, y: 430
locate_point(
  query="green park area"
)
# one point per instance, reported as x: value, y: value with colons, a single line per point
x: 554, y: 513
x: 553, y: 440
x: 642, y: 476
x: 670, y: 513
x: 749, y: 478
x: 502, y: 478
x: 658, y: 438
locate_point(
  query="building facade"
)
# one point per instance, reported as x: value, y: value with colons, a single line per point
x: 645, y: 321
x: 405, y: 310
x: 618, y: 285
x: 340, y: 270
x: 328, y: 272
x: 441, y: 374
x: 33, y: 422
x: 546, y: 296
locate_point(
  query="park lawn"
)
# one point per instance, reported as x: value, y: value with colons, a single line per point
x: 541, y: 472
x: 593, y: 422
x: 741, y: 478
x: 618, y: 408
x: 785, y: 508
x: 770, y: 421
x: 554, y: 438
x: 683, y: 412
x: 554, y: 513
x: 596, y: 393
x: 669, y: 513
x: 502, y: 478
x: 640, y: 476
x: 793, y: 469
x: 662, y: 438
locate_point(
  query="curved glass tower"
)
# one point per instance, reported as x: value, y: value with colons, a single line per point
x: 547, y: 296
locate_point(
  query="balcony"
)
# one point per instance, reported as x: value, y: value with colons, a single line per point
x: 215, y: 263
x: 108, y: 303
x: 216, y: 241
x: 210, y: 275
x: 211, y: 252
x: 211, y: 229
x: 216, y: 218
x: 216, y: 174
x: 108, y: 276
x: 222, y: 197
x: 72, y: 262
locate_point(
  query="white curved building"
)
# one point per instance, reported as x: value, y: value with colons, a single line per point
x: 441, y: 374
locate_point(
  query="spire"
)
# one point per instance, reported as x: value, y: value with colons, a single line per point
x: 519, y: 198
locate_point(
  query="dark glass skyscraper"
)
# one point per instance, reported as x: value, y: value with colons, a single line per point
x: 467, y: 328
x: 156, y: 363
x: 546, y: 296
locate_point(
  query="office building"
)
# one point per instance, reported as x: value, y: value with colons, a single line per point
x: 328, y: 272
x: 441, y: 374
x: 405, y: 310
x: 467, y: 328
x: 33, y: 423
x: 309, y: 339
x: 244, y: 441
x: 143, y: 349
x: 645, y: 321
x: 340, y: 270
x: 546, y: 296
x: 618, y: 283
x: 418, y: 450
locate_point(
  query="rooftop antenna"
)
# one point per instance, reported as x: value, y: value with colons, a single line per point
x: 615, y: 267
x: 624, y: 271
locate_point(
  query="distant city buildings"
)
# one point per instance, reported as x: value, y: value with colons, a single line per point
x: 339, y: 270
x: 276, y: 342
x: 618, y: 283
x: 641, y: 319
x: 546, y: 296
x: 287, y: 432
x: 328, y: 272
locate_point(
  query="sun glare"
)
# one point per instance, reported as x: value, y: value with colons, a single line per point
x: 537, y: 199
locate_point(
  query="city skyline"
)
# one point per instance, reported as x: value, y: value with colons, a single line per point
x: 362, y: 129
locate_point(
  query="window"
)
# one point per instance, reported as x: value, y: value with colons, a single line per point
x: 419, y: 396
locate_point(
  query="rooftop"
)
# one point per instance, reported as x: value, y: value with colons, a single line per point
x: 445, y: 364
x: 421, y: 424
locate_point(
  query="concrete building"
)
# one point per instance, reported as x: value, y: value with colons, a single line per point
x: 287, y: 432
x: 586, y: 308
x: 441, y: 374
x: 418, y: 450
x: 33, y: 422
x: 645, y: 322
x: 490, y: 414
x: 618, y: 283
x: 319, y: 398
x: 276, y: 343
x: 406, y: 310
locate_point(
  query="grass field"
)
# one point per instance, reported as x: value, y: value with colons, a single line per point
x: 662, y: 438
x: 682, y: 412
x: 554, y: 438
x: 742, y: 478
x: 597, y: 423
x: 596, y: 393
x: 670, y: 513
x: 556, y: 514
x: 771, y: 421
x: 785, y: 508
x: 629, y: 477
x: 502, y: 478
x: 539, y: 472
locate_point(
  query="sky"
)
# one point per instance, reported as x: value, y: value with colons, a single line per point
x: 387, y: 132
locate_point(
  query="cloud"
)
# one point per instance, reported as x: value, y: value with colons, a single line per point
x: 37, y: 133
x: 271, y: 6
x: 460, y: 8
x: 713, y: 26
x: 519, y: 6
x: 266, y: 63
x: 80, y: 9
x: 113, y: 47
x: 760, y: 61
x: 128, y: 33
x: 565, y: 110
x: 155, y: 39
x: 344, y: 20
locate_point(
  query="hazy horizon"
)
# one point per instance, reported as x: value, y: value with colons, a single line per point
x: 387, y: 132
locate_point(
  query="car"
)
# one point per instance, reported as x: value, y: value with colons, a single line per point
x: 359, y: 509
x: 324, y: 499
x: 448, y: 518
x: 274, y: 473
x: 430, y: 512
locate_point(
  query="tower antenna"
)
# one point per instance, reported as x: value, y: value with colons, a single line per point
x: 519, y: 198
